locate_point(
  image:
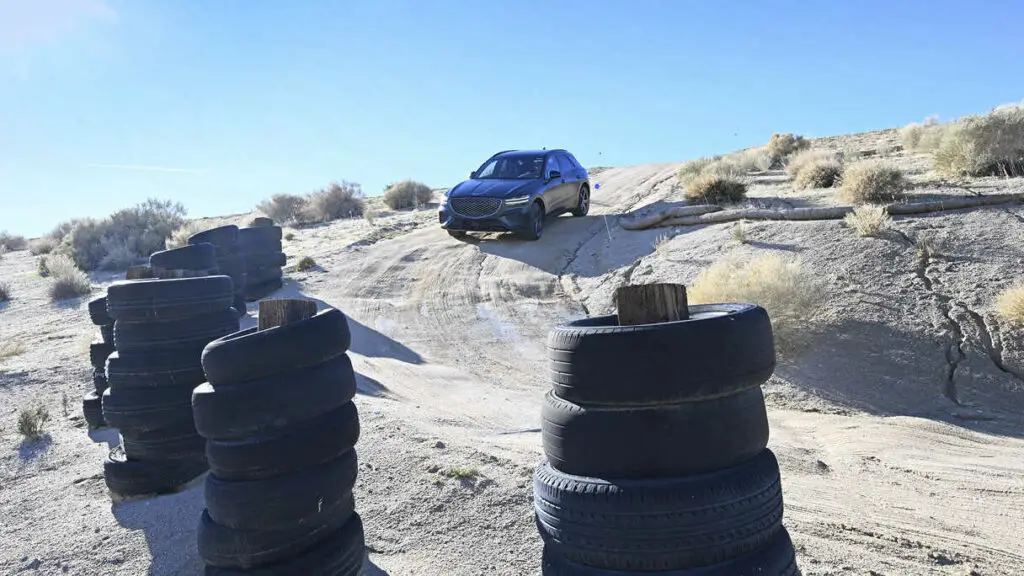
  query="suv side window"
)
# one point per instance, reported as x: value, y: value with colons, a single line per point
x: 567, y: 166
x: 572, y: 160
x: 552, y: 165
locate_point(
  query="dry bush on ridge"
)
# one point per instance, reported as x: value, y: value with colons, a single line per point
x: 67, y: 281
x: 43, y: 245
x: 11, y: 242
x: 983, y: 145
x: 790, y: 293
x: 124, y: 236
x: 711, y: 189
x: 31, y: 422
x: 179, y: 238
x: 691, y: 169
x: 407, y: 194
x: 751, y: 160
x: 371, y: 216
x: 868, y: 220
x: 811, y: 156
x: 781, y: 146
x: 344, y: 200
x: 1010, y: 304
x: 285, y: 208
x: 871, y: 181
x: 822, y: 173
x: 5, y: 292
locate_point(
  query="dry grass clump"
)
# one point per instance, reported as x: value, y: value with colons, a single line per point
x: 407, y: 194
x: 67, y: 280
x: 921, y: 137
x: 10, y: 348
x: 712, y: 189
x: 125, y: 236
x: 337, y: 200
x: 11, y: 242
x: 691, y: 169
x: 751, y: 160
x: 808, y: 156
x: 868, y: 221
x: 739, y: 232
x: 305, y: 263
x: 43, y: 245
x: 371, y: 216
x: 872, y: 181
x: 736, y: 165
x: 790, y: 293
x: 5, y: 292
x: 286, y: 208
x: 179, y: 237
x: 1010, y: 304
x: 782, y: 146
x: 987, y: 145
x: 31, y: 422
x: 821, y: 173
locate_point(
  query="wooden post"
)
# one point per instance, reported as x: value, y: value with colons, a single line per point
x: 281, y: 311
x: 138, y: 272
x: 261, y: 221
x: 651, y: 304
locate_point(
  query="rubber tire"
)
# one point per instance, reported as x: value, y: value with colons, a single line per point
x: 260, y: 291
x: 654, y: 442
x: 200, y: 256
x: 251, y: 354
x: 257, y: 260
x: 107, y: 333
x: 220, y: 236
x: 233, y: 266
x: 260, y: 239
x: 239, y: 306
x: 281, y: 501
x: 342, y: 553
x: 175, y: 441
x: 99, y: 381
x: 173, y: 299
x: 230, y: 411
x: 186, y: 333
x: 663, y: 524
x: 261, y: 275
x: 288, y: 450
x: 595, y: 361
x: 777, y: 558
x: 98, y: 352
x: 155, y: 369
x: 146, y: 409
x: 98, y: 311
x: 535, y: 229
x: 138, y: 477
x: 92, y: 410
x: 581, y: 212
x: 225, y: 547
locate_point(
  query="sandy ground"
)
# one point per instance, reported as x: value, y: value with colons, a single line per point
x: 882, y: 472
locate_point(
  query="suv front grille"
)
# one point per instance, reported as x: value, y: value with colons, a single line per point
x: 476, y: 207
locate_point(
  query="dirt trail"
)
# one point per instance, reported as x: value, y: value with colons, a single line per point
x: 882, y: 472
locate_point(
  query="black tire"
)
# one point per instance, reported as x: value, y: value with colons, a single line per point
x: 260, y: 291
x: 777, y: 558
x: 257, y: 260
x: 222, y: 236
x: 175, y: 441
x: 98, y: 311
x: 129, y: 477
x: 98, y: 352
x: 99, y: 381
x: 155, y: 369
x: 147, y: 409
x: 228, y: 411
x: 654, y: 442
x: 239, y: 306
x: 186, y: 333
x: 664, y: 524
x: 92, y: 410
x: 260, y: 239
x: 152, y: 299
x: 200, y: 256
x: 251, y: 354
x: 225, y: 547
x: 722, y: 349
x: 233, y: 266
x: 582, y: 202
x: 341, y: 553
x: 107, y: 333
x: 261, y: 275
x: 288, y: 450
x: 535, y: 226
x: 281, y: 501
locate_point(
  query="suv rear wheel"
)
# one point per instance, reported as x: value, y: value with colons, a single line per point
x: 582, y: 202
x: 535, y: 226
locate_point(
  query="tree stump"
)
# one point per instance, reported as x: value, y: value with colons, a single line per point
x: 273, y: 313
x: 651, y: 304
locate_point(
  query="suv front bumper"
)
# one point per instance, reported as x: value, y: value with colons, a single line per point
x: 510, y: 219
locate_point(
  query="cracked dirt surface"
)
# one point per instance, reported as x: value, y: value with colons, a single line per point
x: 899, y: 430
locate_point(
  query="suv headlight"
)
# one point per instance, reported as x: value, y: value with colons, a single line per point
x: 518, y: 201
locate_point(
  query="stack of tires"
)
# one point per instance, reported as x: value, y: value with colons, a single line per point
x: 656, y: 442
x: 92, y: 405
x: 261, y: 244
x: 229, y: 257
x: 199, y: 257
x: 160, y: 330
x: 281, y: 430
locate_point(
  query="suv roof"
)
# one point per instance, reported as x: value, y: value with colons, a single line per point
x: 526, y: 152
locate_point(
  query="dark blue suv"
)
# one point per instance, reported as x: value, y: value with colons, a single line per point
x: 514, y: 191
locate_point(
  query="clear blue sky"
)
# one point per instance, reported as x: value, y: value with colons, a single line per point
x: 229, y: 101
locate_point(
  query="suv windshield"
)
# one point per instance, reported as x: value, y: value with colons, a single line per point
x: 512, y: 167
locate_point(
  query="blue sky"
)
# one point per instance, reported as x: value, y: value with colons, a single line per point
x: 220, y: 104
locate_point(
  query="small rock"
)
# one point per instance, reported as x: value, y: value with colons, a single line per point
x: 34, y: 565
x: 439, y: 444
x: 822, y: 467
x: 433, y: 468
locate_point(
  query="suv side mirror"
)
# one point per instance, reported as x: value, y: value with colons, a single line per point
x: 554, y: 174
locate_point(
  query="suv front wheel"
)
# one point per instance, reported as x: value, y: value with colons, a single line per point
x: 582, y: 202
x: 535, y: 225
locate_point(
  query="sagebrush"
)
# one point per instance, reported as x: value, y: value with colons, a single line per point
x: 179, y: 237
x: 43, y: 245
x: 811, y: 156
x: 1010, y: 304
x: 790, y: 292
x: 872, y: 181
x: 821, y: 173
x: 305, y: 263
x: 781, y: 146
x: 407, y: 194
x: 868, y: 220
x: 285, y: 208
x: 691, y: 169
x: 32, y: 421
x: 712, y: 189
x: 983, y: 145
x: 66, y: 279
x: 126, y: 235
x: 11, y: 242
x: 337, y: 200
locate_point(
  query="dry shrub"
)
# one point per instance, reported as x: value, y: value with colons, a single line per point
x: 407, y: 194
x: 179, y: 238
x: 711, y: 189
x: 987, y: 145
x: 752, y: 160
x: 9, y: 348
x: 790, y: 292
x: 822, y: 173
x: 31, y: 421
x: 67, y: 280
x: 922, y: 137
x: 868, y: 220
x: 11, y: 242
x: 1010, y: 304
x: 305, y: 263
x: 739, y: 232
x: 344, y: 200
x: 43, y: 245
x: 3, y: 251
x: 807, y: 157
x: 691, y: 169
x: 371, y: 216
x: 137, y: 231
x: 5, y: 292
x: 286, y: 208
x: 872, y: 181
x: 781, y: 146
